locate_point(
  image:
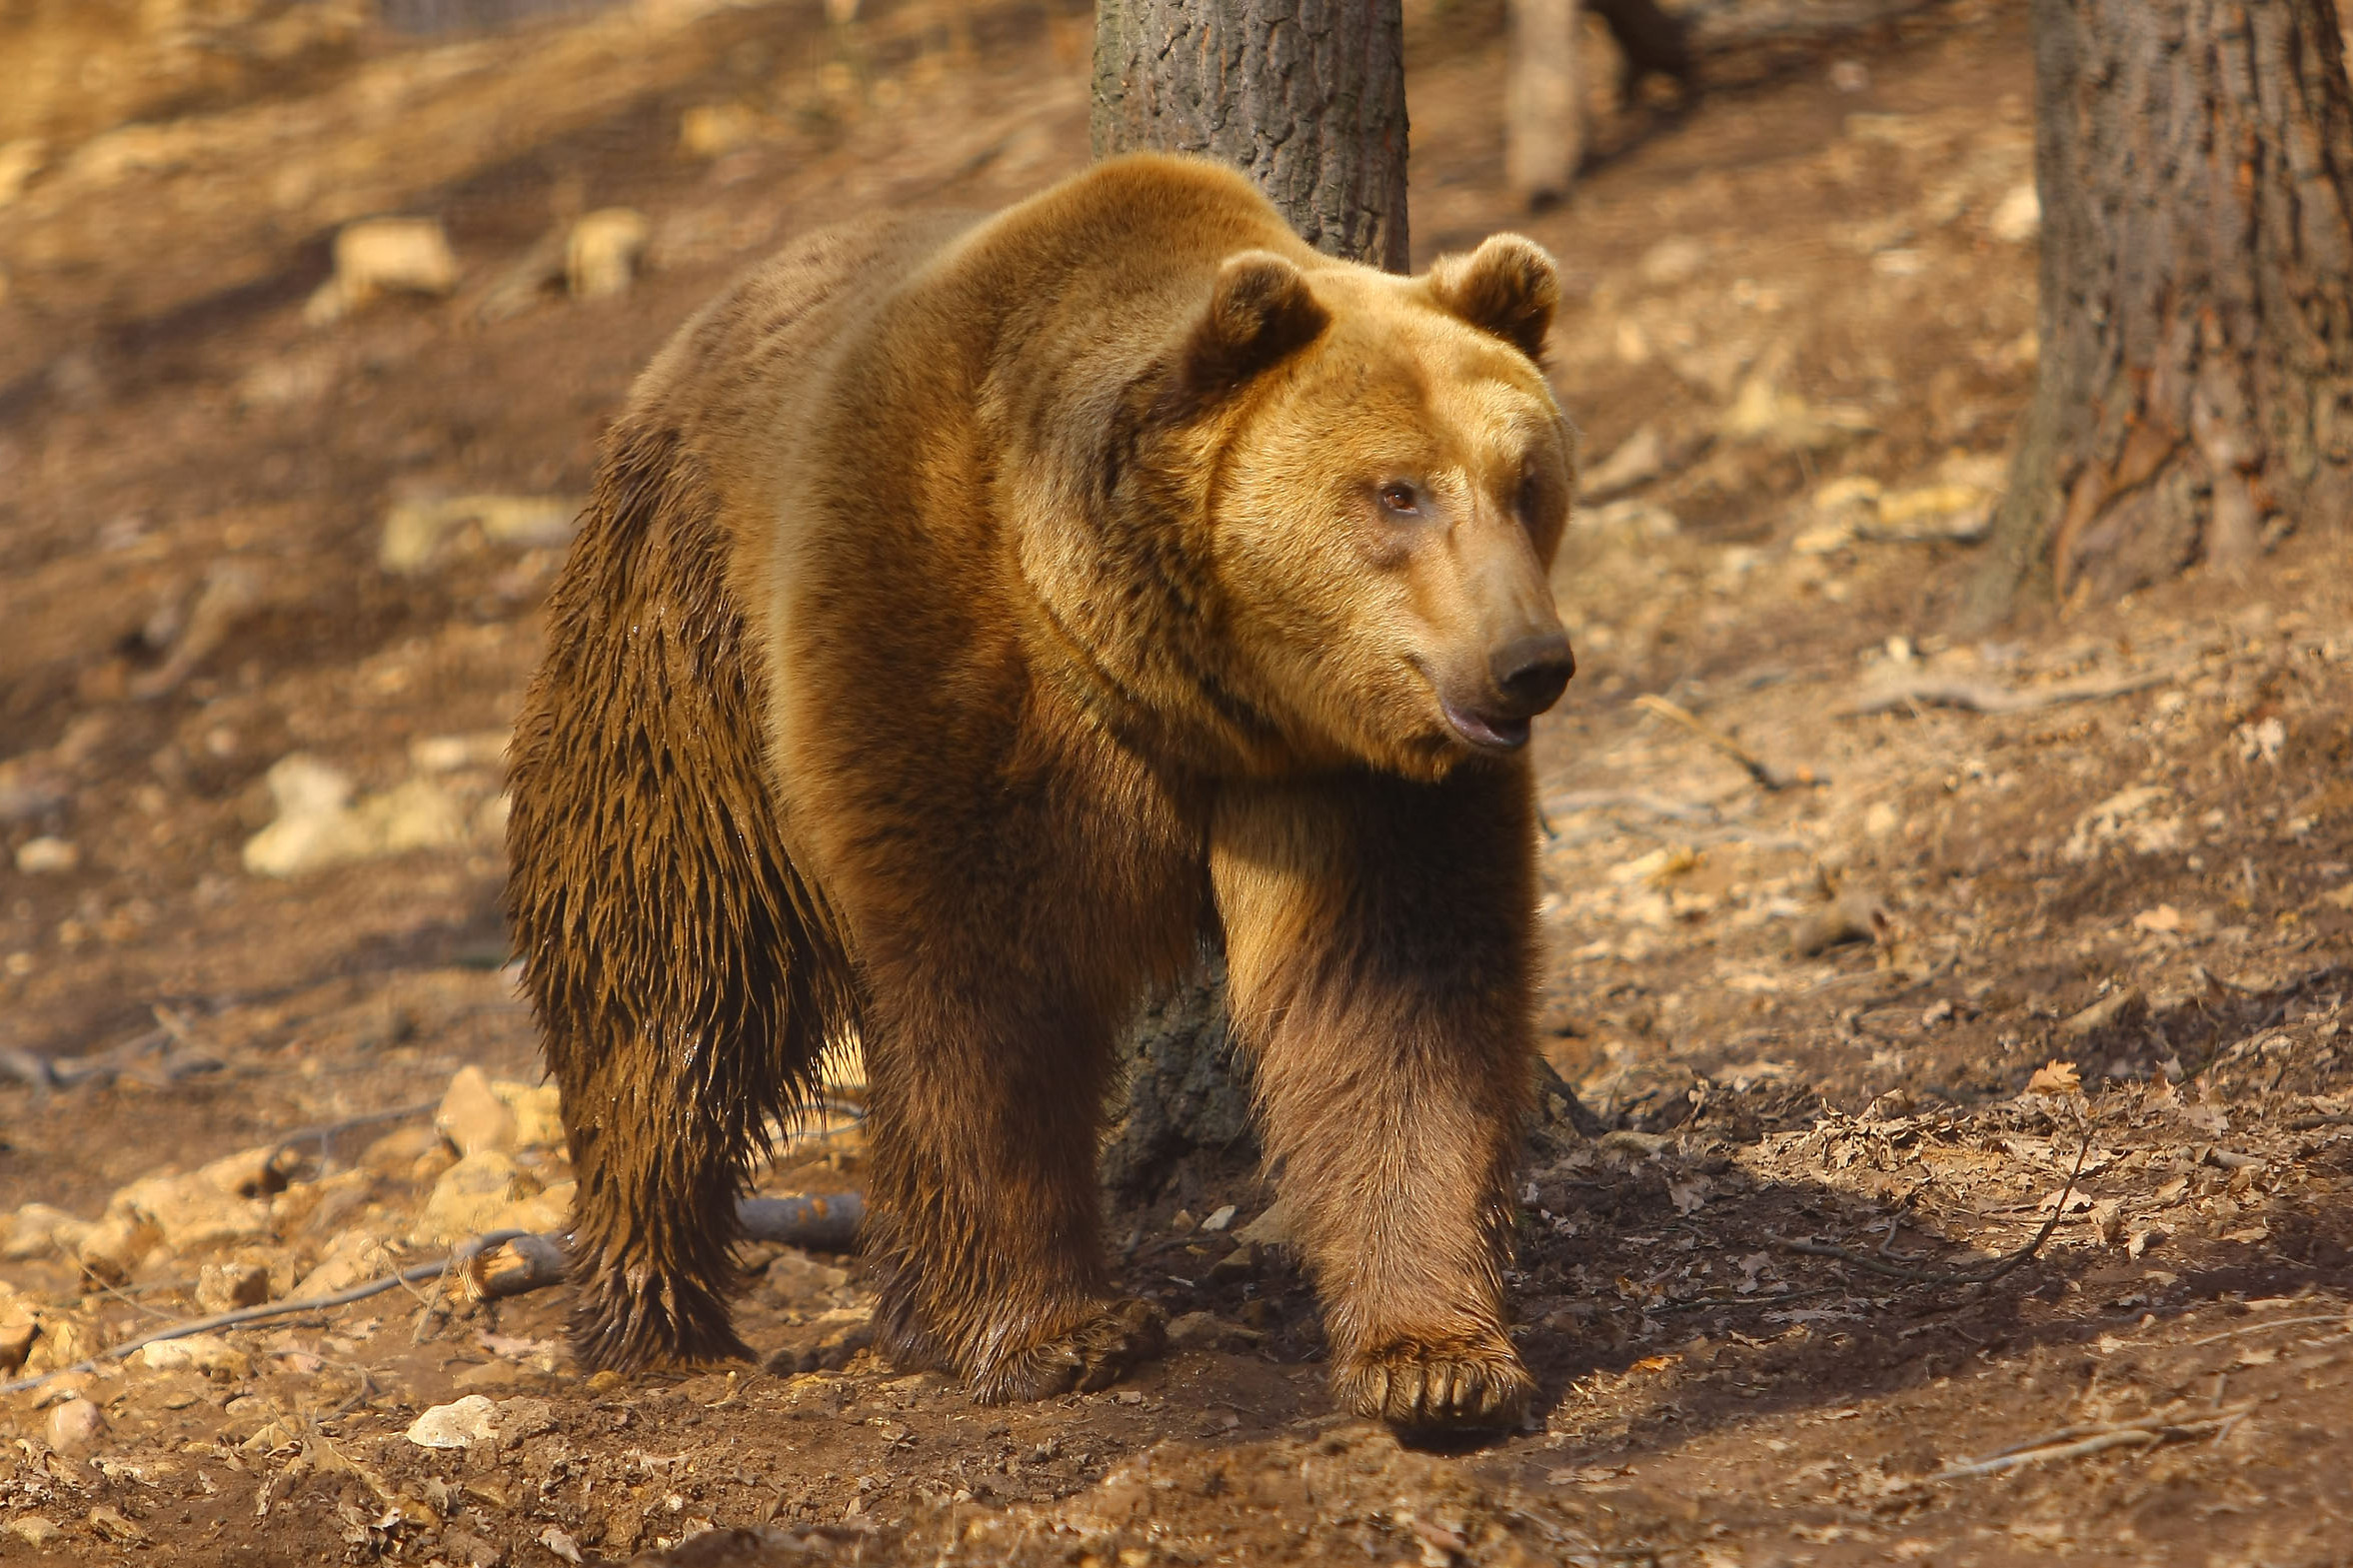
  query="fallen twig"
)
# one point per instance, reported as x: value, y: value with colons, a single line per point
x: 2074, y: 1442
x: 1759, y: 770
x: 1977, y: 698
x: 828, y: 1223
x: 1930, y: 1277
x: 2340, y: 1319
x: 1870, y: 1264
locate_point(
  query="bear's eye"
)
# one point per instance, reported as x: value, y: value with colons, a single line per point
x: 1401, y: 501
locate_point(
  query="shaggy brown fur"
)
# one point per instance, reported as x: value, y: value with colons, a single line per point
x: 970, y: 616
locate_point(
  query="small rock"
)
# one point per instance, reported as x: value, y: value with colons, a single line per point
x: 225, y: 1287
x: 467, y: 1550
x: 351, y: 1257
x: 209, y: 1354
x: 321, y: 1208
x: 117, y: 1244
x: 37, y: 1231
x: 708, y: 130
x: 601, y: 254
x: 379, y: 256
x: 2018, y: 216
x: 109, y: 1525
x: 394, y: 1154
x: 414, y: 531
x: 460, y: 1424
x: 20, y: 1326
x: 469, y: 1198
x: 1208, y: 1332
x: 1219, y: 1218
x: 472, y: 1118
x: 1273, y: 1229
x: 561, y: 1543
x: 540, y: 1213
x: 75, y: 1426
x: 46, y: 856
x: 191, y: 1213
x: 837, y: 1337
x: 795, y: 1278
x: 539, y: 1112
x: 35, y: 1531
x: 449, y: 754
x: 65, y: 1341
x: 256, y: 1172
x: 1241, y: 1263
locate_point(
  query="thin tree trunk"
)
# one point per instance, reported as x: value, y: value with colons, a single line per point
x: 1309, y: 97
x: 2194, y: 160
x: 1305, y: 96
x: 1544, y: 120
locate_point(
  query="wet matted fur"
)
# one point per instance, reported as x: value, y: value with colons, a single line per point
x: 969, y: 616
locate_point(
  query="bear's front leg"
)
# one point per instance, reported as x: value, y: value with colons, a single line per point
x: 1379, y: 936
x: 987, y: 1092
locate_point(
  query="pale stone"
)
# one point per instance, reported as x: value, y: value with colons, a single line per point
x: 473, y: 1117
x: 2018, y: 217
x: 351, y: 1258
x: 209, y: 1354
x: 117, y: 1244
x: 20, y: 1326
x: 539, y: 1112
x: 601, y: 254
x: 75, y: 1426
x: 379, y: 256
x: 45, y: 856
x: 37, y: 1229
x: 35, y: 1531
x: 459, y: 1424
x: 414, y: 531
x: 469, y: 1198
x: 225, y: 1287
x: 191, y: 1212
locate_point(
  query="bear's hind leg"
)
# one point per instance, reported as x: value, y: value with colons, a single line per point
x: 680, y: 970
x: 985, y: 1216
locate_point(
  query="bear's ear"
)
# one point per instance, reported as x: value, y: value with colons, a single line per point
x: 1260, y: 312
x: 1509, y: 287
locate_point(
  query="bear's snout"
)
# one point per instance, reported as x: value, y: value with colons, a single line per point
x: 1530, y: 671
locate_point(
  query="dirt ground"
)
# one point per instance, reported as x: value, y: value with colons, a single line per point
x: 1865, y: 933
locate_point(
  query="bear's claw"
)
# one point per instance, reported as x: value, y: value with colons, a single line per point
x: 1086, y: 1358
x: 1417, y: 1386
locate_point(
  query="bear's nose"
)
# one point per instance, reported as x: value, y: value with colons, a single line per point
x: 1530, y: 671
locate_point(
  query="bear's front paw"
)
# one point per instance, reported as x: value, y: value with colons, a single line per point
x: 1414, y: 1383
x: 1083, y: 1360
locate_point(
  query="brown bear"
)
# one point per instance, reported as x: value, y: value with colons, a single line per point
x: 971, y: 617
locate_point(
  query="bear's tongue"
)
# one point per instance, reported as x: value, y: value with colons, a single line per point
x: 1495, y: 733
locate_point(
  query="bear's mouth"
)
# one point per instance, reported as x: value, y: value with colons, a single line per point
x: 1486, y: 731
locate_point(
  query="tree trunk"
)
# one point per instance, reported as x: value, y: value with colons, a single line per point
x: 1544, y: 120
x: 1307, y: 97
x: 2194, y: 160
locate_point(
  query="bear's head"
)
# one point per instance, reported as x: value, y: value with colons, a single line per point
x: 1392, y: 477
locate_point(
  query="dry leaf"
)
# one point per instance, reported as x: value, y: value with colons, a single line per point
x: 2055, y: 1077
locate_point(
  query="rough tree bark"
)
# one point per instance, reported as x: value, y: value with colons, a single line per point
x: 1305, y: 96
x: 1309, y: 97
x: 1543, y: 119
x: 2195, y: 164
